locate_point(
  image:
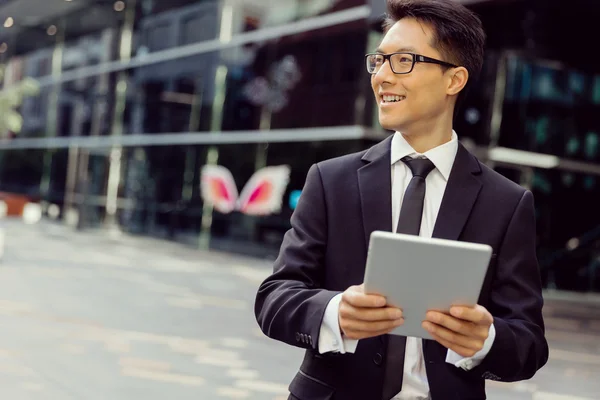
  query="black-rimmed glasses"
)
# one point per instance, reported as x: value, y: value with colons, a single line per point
x: 401, y: 63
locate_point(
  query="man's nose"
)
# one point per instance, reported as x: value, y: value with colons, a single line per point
x: 385, y: 74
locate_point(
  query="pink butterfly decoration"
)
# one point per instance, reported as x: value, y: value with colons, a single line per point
x: 262, y: 195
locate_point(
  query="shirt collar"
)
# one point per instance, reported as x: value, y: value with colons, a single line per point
x: 442, y: 156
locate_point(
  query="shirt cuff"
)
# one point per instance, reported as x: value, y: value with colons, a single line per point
x: 330, y: 335
x: 468, y: 363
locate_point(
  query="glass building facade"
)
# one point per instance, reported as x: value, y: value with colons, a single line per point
x: 197, y: 121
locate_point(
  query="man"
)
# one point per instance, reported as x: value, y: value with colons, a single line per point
x: 314, y: 299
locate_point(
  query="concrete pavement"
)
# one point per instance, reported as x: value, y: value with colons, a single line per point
x: 83, y: 316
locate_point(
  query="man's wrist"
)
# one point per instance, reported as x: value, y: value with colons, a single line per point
x: 468, y: 363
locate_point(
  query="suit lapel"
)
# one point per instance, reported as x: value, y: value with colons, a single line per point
x: 375, y: 186
x: 461, y: 192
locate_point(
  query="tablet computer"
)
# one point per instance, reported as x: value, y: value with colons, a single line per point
x: 420, y: 274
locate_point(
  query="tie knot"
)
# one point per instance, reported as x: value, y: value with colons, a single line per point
x: 419, y: 166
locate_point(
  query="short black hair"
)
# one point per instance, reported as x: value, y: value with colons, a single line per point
x: 459, y: 34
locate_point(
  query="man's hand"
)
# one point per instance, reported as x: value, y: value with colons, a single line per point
x: 464, y: 331
x: 363, y: 315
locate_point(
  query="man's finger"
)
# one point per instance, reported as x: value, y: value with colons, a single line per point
x: 358, y: 299
x: 477, y: 314
x: 460, y: 350
x: 369, y: 314
x: 353, y: 325
x: 456, y: 325
x: 454, y: 338
x: 357, y: 335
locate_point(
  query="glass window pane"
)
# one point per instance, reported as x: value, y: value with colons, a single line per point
x: 550, y: 109
x: 166, y: 24
x: 568, y: 227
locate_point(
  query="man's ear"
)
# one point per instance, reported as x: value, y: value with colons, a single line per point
x: 459, y: 77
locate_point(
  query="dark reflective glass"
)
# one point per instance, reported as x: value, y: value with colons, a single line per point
x: 552, y: 109
x: 568, y: 228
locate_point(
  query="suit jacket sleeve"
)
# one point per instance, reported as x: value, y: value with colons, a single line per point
x: 290, y: 303
x: 516, y: 302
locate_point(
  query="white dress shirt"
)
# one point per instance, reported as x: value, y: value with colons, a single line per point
x: 415, y: 385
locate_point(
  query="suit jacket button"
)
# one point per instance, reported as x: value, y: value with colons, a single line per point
x: 378, y: 359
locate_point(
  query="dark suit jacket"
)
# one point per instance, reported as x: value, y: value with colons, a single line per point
x: 347, y: 198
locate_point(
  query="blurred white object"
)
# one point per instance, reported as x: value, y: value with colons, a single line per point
x: 472, y: 116
x: 72, y: 217
x: 53, y: 211
x: 3, y: 209
x: 573, y: 244
x: 32, y: 213
x: 114, y: 232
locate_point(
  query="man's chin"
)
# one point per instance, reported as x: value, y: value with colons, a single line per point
x: 391, y: 125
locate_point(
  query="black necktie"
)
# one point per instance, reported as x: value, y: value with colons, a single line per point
x: 409, y: 223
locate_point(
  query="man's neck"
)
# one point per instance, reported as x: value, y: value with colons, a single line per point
x: 423, y: 142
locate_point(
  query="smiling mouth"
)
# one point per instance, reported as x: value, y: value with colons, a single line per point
x: 392, y: 99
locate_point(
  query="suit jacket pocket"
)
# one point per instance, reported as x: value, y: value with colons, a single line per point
x: 305, y: 387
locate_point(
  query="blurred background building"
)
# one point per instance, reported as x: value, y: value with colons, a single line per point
x: 136, y: 97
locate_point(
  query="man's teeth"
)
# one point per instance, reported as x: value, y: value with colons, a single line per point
x: 393, y: 99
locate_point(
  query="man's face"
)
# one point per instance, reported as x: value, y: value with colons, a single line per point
x: 423, y: 91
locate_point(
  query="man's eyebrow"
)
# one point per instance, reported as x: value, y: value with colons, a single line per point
x: 400, y: 50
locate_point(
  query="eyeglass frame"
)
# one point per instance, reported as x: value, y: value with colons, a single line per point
x: 416, y: 58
